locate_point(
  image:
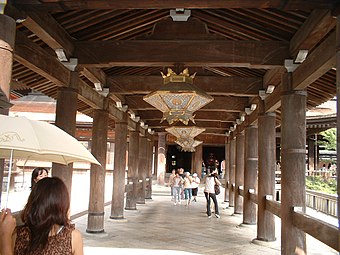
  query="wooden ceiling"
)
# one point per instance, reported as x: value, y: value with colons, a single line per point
x: 237, y: 48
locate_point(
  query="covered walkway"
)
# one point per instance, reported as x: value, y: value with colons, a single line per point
x: 159, y: 227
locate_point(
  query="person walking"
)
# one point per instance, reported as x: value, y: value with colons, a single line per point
x: 177, y: 185
x: 209, y: 192
x: 187, y: 188
x: 171, y: 180
x: 194, y: 186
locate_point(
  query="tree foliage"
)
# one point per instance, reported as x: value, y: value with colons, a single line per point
x: 319, y: 183
x: 329, y: 139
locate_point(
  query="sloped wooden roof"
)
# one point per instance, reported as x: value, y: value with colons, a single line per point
x: 236, y: 48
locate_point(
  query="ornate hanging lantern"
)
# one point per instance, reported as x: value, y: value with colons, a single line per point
x: 178, y: 99
x: 188, y: 144
x: 185, y: 132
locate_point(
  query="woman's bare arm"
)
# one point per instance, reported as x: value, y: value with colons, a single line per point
x: 7, y: 226
x: 77, y: 243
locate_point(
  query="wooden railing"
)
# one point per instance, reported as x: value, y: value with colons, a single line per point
x: 324, y: 232
x: 318, y: 201
x: 322, y: 202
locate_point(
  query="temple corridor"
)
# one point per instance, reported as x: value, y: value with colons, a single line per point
x: 159, y: 227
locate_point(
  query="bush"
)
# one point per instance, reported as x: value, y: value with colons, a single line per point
x: 318, y: 183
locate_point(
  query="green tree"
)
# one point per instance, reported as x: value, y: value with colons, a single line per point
x: 329, y: 139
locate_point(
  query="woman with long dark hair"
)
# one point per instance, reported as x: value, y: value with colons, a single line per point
x: 37, y: 174
x: 47, y: 229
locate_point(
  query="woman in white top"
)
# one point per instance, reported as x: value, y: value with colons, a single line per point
x: 209, y: 192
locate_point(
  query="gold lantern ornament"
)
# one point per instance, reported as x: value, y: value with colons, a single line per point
x: 178, y: 99
x: 185, y: 132
x: 188, y: 144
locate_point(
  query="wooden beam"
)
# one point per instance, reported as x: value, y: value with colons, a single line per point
x: 273, y: 101
x: 114, y: 112
x: 142, y: 131
x: 319, y: 62
x: 322, y: 231
x: 315, y: 28
x: 273, y: 77
x: 250, y: 119
x: 132, y: 125
x: 63, y: 5
x: 94, y: 75
x: 97, y: 101
x: 254, y: 54
x: 220, y: 103
x: 253, y: 197
x: 49, y: 31
x: 235, y: 86
x: 273, y: 207
x: 227, y: 103
x: 318, y: 24
x: 89, y: 96
x: 44, y: 26
x: 36, y: 58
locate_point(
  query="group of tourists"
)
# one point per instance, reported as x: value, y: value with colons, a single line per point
x: 184, y: 186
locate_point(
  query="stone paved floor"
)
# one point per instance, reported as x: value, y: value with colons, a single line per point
x: 159, y: 227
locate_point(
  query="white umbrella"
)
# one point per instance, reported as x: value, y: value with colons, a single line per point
x: 38, y: 140
x: 22, y: 138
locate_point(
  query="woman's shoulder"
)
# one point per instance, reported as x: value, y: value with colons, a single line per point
x: 77, y: 242
x: 76, y: 234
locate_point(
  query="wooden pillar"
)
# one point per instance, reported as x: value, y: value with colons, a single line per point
x: 311, y: 154
x: 266, y: 175
x: 95, y: 220
x: 232, y: 166
x: 111, y: 154
x: 148, y: 192
x: 7, y: 40
x: 117, y: 206
x: 338, y: 113
x: 198, y: 156
x: 161, y: 159
x: 227, y: 169
x: 66, y: 111
x: 250, y: 174
x: 132, y: 176
x: 293, y: 151
x: 142, y: 169
x: 317, y: 153
x: 239, y: 172
x: 155, y: 158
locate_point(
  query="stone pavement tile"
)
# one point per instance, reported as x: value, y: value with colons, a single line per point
x: 159, y: 227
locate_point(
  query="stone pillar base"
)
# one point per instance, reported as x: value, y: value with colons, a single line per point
x: 271, y: 244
